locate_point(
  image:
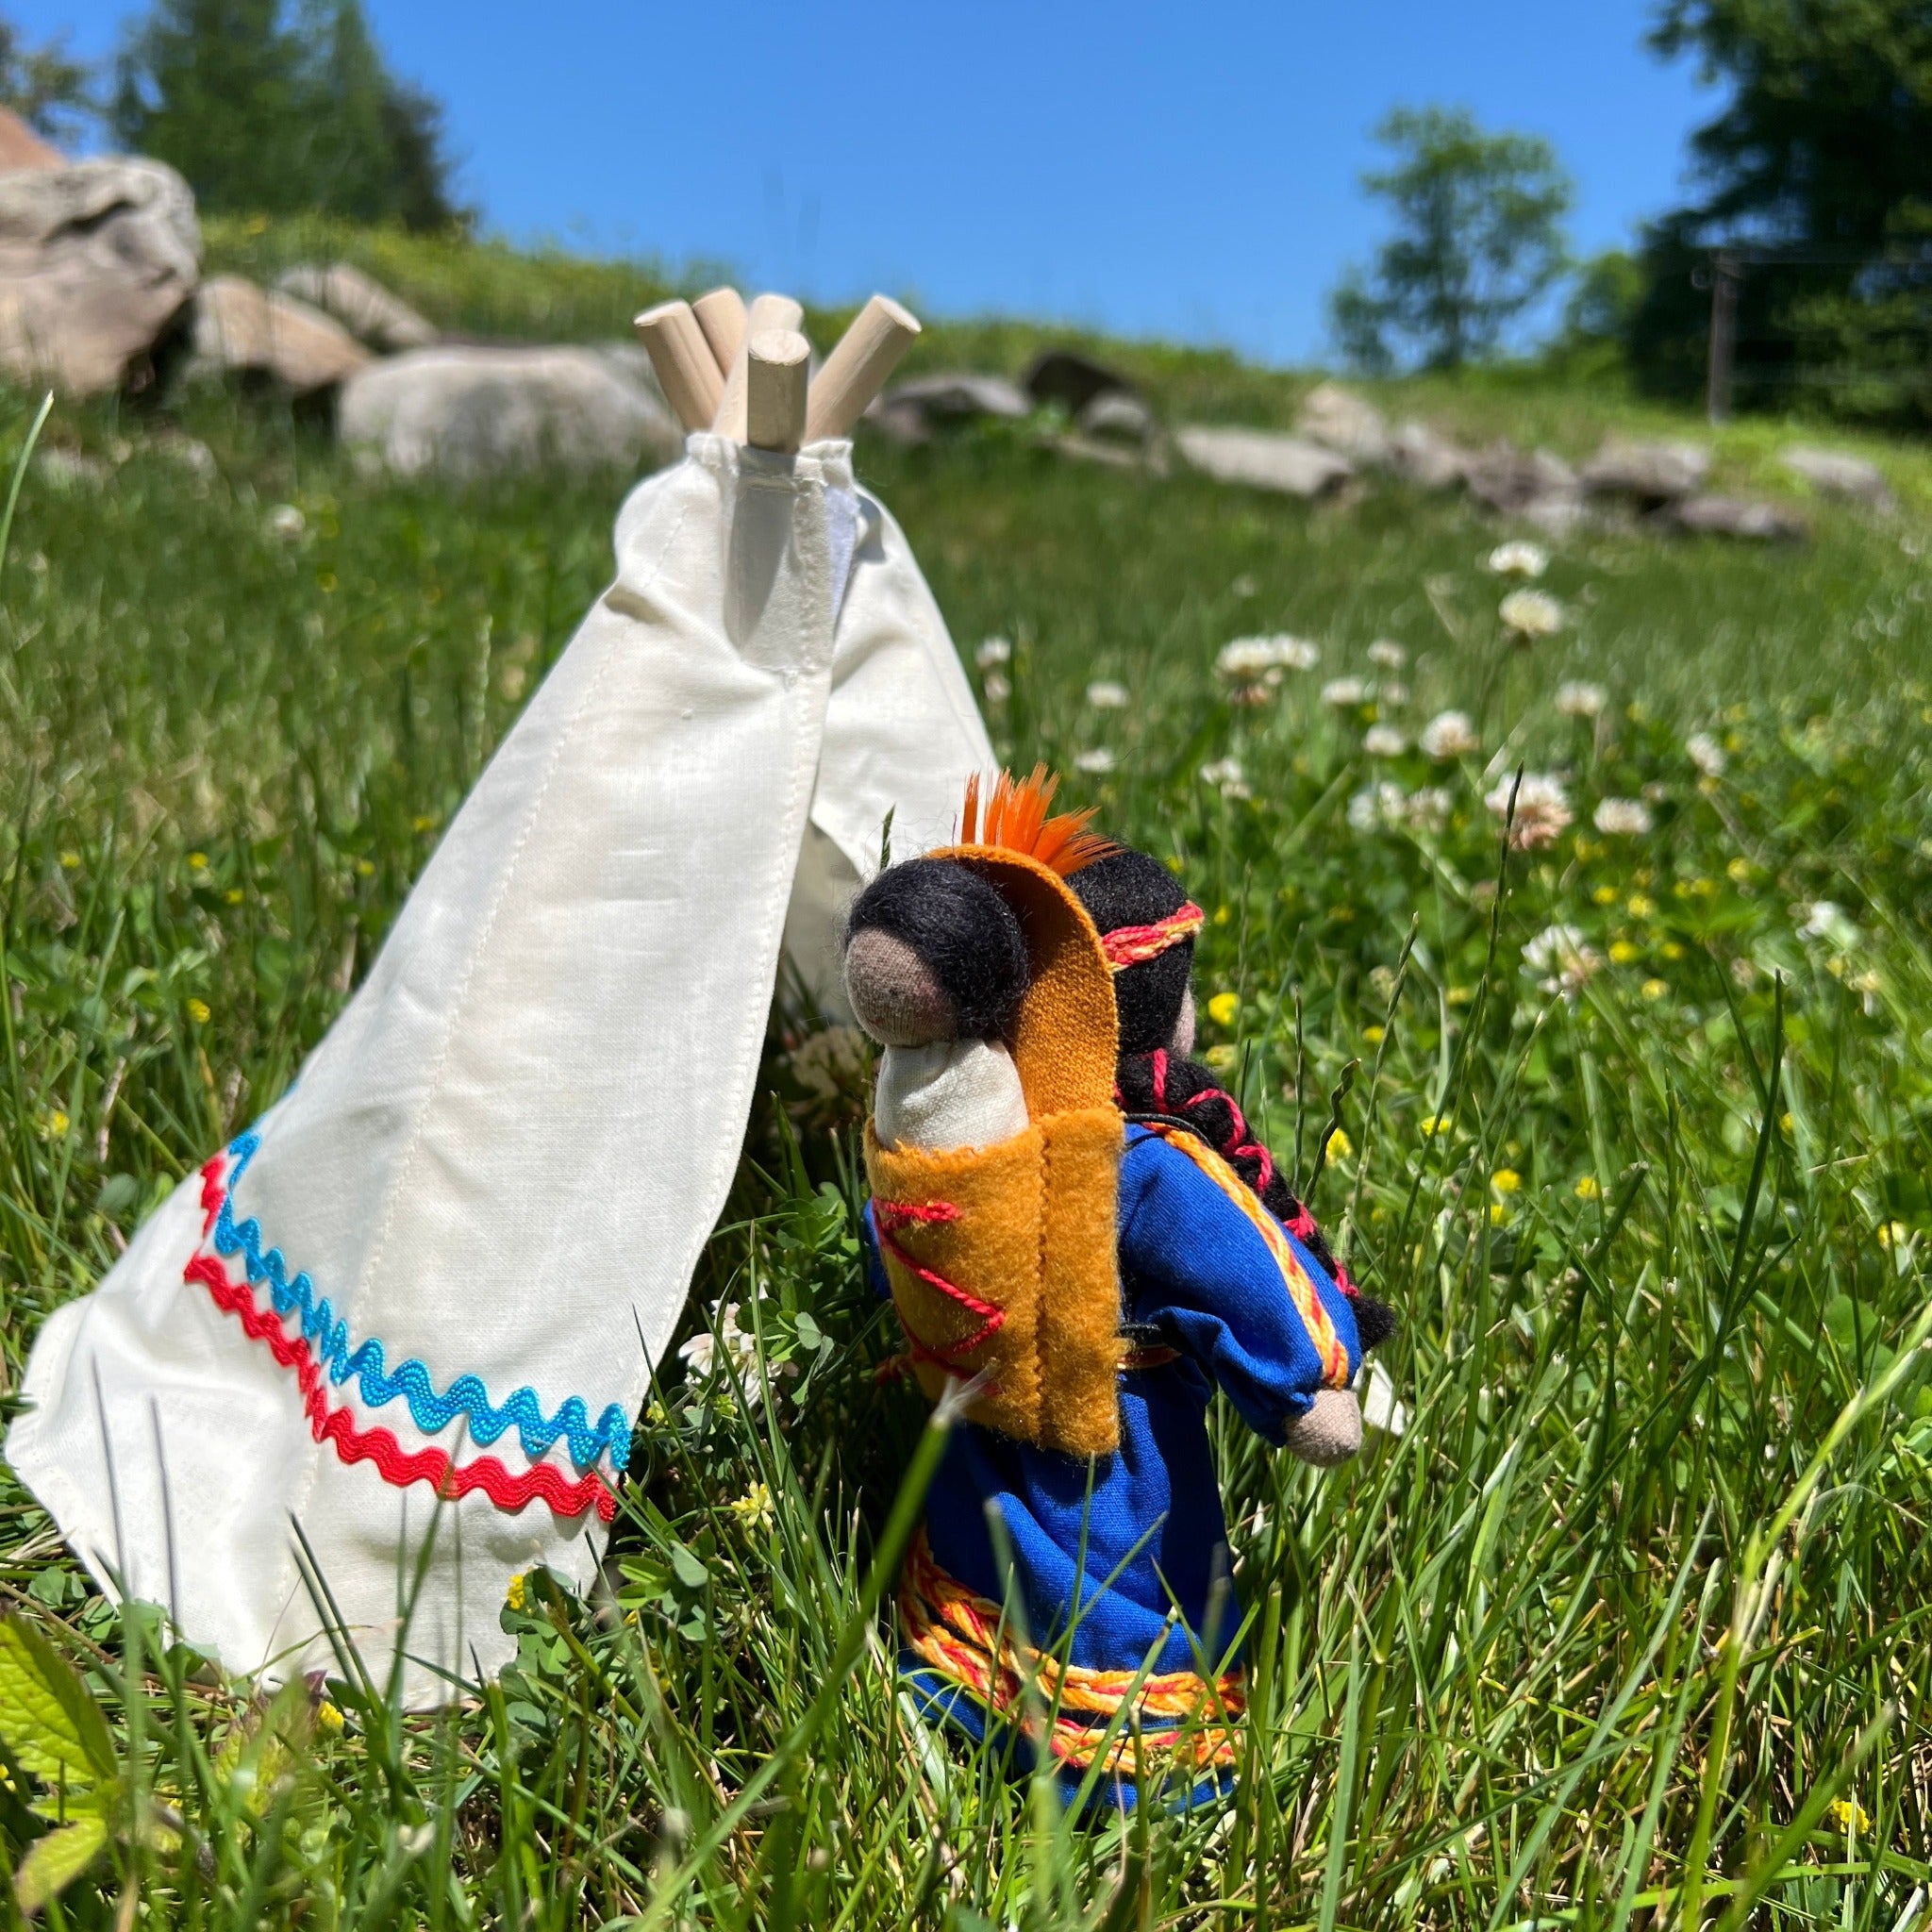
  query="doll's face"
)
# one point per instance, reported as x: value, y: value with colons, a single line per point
x: 895, y: 995
x: 1184, y: 1027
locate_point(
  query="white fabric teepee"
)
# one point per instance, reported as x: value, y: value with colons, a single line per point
x: 443, y: 1265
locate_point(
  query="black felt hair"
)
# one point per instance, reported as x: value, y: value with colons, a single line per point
x: 962, y: 929
x: 1129, y: 887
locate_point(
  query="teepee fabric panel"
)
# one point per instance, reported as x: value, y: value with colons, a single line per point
x: 428, y: 1285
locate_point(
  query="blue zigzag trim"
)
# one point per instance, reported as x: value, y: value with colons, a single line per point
x: 466, y: 1396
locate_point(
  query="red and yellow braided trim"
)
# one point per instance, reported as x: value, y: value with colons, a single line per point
x: 958, y: 1634
x: 1301, y: 1292
x: 1129, y: 946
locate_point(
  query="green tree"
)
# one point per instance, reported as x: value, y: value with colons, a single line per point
x: 1817, y: 170
x: 1478, y: 239
x: 268, y: 113
x: 48, y: 89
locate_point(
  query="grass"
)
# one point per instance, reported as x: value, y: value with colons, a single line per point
x: 1630, y: 1627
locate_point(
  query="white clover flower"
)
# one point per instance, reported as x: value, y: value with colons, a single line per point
x: 1384, y: 742
x: 1427, y: 810
x: 1259, y: 660
x: 740, y: 1346
x: 1542, y: 810
x: 286, y: 523
x: 1563, y: 960
x: 1581, y: 700
x: 1517, y: 560
x: 1098, y: 760
x: 1706, y: 752
x: 1394, y: 693
x: 1387, y: 654
x: 1345, y: 692
x: 997, y: 687
x: 1821, y: 919
x: 1226, y: 776
x: 1531, y: 614
x: 994, y: 651
x: 1377, y: 807
x: 1449, y: 735
x: 1621, y: 818
x: 1103, y: 694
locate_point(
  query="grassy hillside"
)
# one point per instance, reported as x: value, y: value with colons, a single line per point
x: 1635, y: 1132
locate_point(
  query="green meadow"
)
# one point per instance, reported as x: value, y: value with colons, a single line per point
x: 1624, y: 1102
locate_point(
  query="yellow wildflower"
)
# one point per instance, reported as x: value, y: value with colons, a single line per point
x: 365, y: 868
x: 753, y: 1509
x: 54, y: 1125
x: 1460, y: 995
x: 198, y: 1011
x: 1221, y: 1056
x: 1893, y: 1232
x: 1589, y: 1189
x: 1671, y: 950
x: 327, y: 1718
x: 1656, y: 989
x: 1639, y: 906
x: 1223, y: 1007
x: 1433, y: 1124
x: 518, y: 1595
x: 1604, y: 895
x: 1623, y: 952
x: 70, y: 862
x: 234, y: 895
x: 197, y: 861
x: 1222, y: 915
x: 1373, y: 1035
x: 1498, y: 1215
x: 1739, y: 872
x: 1505, y: 1180
x: 1849, y: 1815
x: 1340, y: 1146
x: 1785, y: 1121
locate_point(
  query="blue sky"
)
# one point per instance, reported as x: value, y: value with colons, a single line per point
x: 1185, y: 171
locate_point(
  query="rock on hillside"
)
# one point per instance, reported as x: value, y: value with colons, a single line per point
x: 469, y: 412
x: 20, y: 148
x: 1832, y: 473
x: 238, y: 329
x: 1652, y: 472
x: 96, y: 261
x: 1342, y: 421
x: 1264, y: 459
x: 360, y: 303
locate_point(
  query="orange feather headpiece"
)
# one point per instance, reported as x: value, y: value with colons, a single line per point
x: 1015, y: 819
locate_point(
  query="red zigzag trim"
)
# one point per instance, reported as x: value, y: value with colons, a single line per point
x: 395, y: 1464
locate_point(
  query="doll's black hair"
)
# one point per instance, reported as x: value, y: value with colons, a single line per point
x: 1153, y: 1083
x: 1129, y: 888
x: 961, y: 928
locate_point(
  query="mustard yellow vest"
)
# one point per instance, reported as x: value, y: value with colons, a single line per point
x: 1003, y: 1259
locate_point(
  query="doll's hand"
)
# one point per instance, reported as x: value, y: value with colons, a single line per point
x: 1331, y: 1431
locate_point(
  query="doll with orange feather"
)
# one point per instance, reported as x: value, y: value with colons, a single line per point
x: 1072, y: 1217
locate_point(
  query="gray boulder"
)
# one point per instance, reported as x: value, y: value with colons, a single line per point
x: 1651, y: 473
x: 1342, y: 421
x: 238, y: 330
x: 97, y: 260
x: 360, y: 304
x: 1118, y: 415
x: 470, y: 412
x: 1738, y: 516
x: 1832, y: 473
x: 911, y: 411
x: 1071, y: 379
x: 1264, y: 459
x: 1540, y: 489
x: 1419, y: 455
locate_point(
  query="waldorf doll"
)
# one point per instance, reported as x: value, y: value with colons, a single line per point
x: 1093, y: 1273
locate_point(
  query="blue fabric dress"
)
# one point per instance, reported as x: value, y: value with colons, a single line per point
x: 1119, y: 1566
